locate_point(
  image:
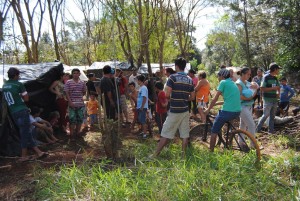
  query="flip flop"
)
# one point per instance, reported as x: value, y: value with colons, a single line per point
x: 27, y: 159
x: 44, y: 155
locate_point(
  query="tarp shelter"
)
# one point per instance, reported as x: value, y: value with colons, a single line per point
x: 83, y: 77
x: 97, y: 67
x: 155, y: 67
x: 37, y: 78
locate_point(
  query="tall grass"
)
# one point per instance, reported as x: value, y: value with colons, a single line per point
x: 223, y: 175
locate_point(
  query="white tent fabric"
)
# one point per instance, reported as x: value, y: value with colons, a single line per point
x: 68, y: 69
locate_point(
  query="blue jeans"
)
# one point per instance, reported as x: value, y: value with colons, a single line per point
x: 21, y: 119
x: 93, y: 119
x: 142, y: 115
x: 269, y: 110
x: 222, y: 118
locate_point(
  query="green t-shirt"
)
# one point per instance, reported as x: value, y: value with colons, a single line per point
x: 13, y: 91
x: 268, y: 82
x: 231, y: 95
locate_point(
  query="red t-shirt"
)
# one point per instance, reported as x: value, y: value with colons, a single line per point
x: 161, y: 98
x: 123, y: 83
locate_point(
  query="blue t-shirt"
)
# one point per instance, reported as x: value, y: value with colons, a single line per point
x: 143, y: 92
x: 246, y: 91
x: 231, y: 95
x: 182, y: 86
x: 286, y: 93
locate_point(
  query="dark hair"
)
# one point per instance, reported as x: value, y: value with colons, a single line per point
x: 244, y: 70
x: 91, y: 75
x: 273, y: 67
x: 75, y: 69
x: 12, y: 72
x: 106, y: 69
x: 202, y: 74
x: 159, y: 85
x: 222, y: 66
x: 34, y: 110
x: 192, y: 71
x: 283, y: 79
x: 181, y: 63
x: 131, y: 83
x: 141, y: 78
x: 170, y: 70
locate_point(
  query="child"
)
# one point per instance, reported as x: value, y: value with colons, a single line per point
x: 161, y: 106
x: 54, y: 120
x: 133, y: 100
x: 286, y: 93
x: 42, y: 129
x: 142, y: 105
x: 92, y: 109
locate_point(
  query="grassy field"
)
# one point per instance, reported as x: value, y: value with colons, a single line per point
x: 223, y: 175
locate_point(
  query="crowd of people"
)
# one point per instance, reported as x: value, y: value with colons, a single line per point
x: 172, y: 102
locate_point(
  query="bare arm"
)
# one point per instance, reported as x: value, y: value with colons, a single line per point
x: 213, y: 102
x: 52, y: 87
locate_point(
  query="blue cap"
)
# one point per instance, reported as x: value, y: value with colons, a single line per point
x: 112, y: 71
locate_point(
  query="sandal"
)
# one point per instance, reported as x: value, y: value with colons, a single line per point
x: 25, y: 159
x: 44, y: 155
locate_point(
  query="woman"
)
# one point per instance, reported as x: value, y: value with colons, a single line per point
x: 57, y: 87
x: 258, y: 79
x: 246, y: 95
x: 202, y: 90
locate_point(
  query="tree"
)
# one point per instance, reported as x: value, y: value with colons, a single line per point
x: 4, y: 8
x: 38, y: 8
x: 54, y: 8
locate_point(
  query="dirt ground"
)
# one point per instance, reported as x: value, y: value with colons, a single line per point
x: 17, y: 179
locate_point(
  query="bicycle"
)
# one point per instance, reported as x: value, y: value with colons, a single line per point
x: 230, y: 137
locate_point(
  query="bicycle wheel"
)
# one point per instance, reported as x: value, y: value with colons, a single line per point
x: 243, y: 141
x: 199, y: 132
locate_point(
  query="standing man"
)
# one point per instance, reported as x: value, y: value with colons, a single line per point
x: 133, y: 78
x: 15, y: 94
x: 142, y: 105
x: 123, y: 92
x: 107, y: 87
x: 192, y: 104
x: 90, y: 85
x: 179, y: 90
x: 270, y: 89
x: 75, y: 90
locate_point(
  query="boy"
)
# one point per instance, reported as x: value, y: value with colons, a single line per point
x: 133, y: 101
x: 161, y: 105
x: 286, y: 93
x: 75, y: 90
x: 42, y: 129
x: 142, y: 105
x: 92, y: 109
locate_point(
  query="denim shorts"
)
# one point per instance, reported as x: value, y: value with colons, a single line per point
x: 21, y: 119
x: 222, y: 118
x: 142, y: 115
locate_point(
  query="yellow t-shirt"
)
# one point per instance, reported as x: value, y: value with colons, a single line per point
x: 92, y: 107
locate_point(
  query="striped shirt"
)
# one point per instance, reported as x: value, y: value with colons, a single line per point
x: 182, y: 86
x: 76, y: 91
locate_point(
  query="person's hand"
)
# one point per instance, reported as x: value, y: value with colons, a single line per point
x: 71, y: 104
x: 206, y: 111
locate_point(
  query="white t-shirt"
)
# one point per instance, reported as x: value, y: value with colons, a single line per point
x: 33, y: 120
x: 133, y: 78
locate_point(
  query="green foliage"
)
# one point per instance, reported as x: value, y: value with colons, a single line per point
x: 223, y: 175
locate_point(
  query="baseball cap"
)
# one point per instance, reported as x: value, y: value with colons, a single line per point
x: 12, y: 72
x: 274, y: 66
x: 224, y: 73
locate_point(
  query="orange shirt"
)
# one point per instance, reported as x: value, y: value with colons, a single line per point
x: 92, y: 107
x: 203, y: 91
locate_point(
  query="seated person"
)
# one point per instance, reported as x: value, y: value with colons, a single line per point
x: 40, y: 128
x: 53, y: 119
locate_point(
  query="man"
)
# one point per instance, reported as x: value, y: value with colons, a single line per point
x: 179, y: 90
x: 192, y: 104
x: 75, y: 90
x: 270, y: 89
x: 90, y: 85
x: 15, y: 94
x: 107, y: 87
x: 133, y: 78
x: 123, y: 90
